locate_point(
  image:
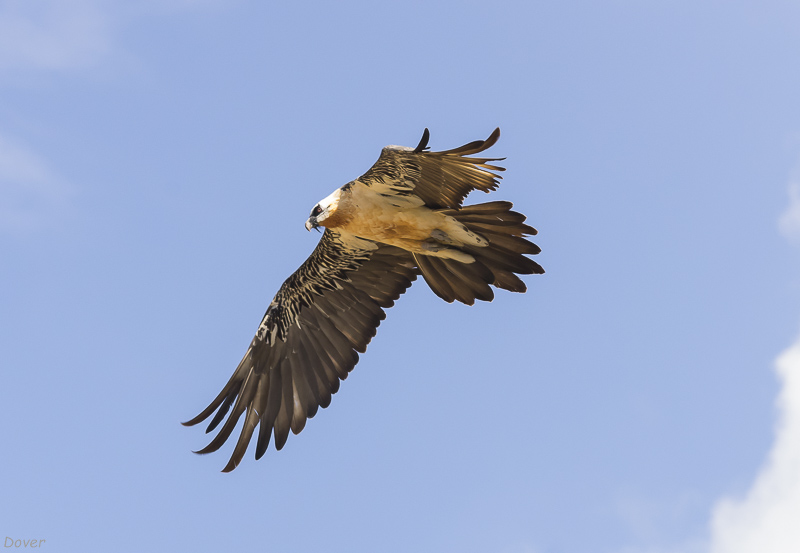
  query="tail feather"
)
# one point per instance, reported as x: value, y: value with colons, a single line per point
x: 476, y: 276
x: 509, y: 281
x: 508, y: 242
x: 439, y: 283
x: 496, y: 264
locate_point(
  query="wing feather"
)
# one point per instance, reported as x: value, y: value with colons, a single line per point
x: 331, y: 346
x: 314, y: 373
x: 323, y: 363
x: 345, y: 323
x: 439, y: 179
x: 303, y: 399
x: 286, y: 409
x: 308, y: 341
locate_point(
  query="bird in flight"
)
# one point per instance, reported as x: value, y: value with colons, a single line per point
x: 402, y: 218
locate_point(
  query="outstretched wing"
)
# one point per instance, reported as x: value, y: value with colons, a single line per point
x: 440, y: 179
x: 325, y: 313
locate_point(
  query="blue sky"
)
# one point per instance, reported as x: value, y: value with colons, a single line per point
x: 158, y: 161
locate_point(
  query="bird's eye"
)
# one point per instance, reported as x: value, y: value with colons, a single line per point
x: 316, y: 211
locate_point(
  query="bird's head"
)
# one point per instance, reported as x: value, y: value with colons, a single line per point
x: 325, y: 212
x: 312, y: 221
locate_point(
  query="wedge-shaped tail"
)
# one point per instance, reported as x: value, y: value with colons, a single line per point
x: 497, y: 264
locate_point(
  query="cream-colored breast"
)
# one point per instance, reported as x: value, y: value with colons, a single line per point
x: 400, y: 221
x: 382, y: 219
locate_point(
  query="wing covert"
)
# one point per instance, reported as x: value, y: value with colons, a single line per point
x: 441, y: 179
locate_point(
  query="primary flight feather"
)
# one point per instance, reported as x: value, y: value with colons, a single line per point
x: 400, y: 219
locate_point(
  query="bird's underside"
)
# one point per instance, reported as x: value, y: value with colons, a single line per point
x: 402, y: 218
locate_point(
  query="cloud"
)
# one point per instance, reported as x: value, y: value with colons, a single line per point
x: 646, y: 519
x: 696, y: 546
x: 31, y: 195
x: 765, y: 520
x: 789, y: 221
x: 59, y: 36
x: 52, y: 35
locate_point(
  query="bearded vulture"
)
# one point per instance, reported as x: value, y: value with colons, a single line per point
x: 402, y: 218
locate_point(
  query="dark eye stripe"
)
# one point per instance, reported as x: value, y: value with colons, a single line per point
x: 317, y: 210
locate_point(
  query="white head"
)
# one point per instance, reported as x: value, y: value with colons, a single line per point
x: 324, y: 210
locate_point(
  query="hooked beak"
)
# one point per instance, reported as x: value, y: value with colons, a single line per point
x: 312, y: 223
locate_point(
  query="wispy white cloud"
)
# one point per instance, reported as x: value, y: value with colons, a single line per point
x: 60, y: 36
x: 789, y: 221
x: 766, y: 519
x: 645, y: 520
x: 52, y: 35
x: 31, y: 195
x: 694, y: 546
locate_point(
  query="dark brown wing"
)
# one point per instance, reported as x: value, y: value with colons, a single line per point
x: 325, y: 313
x: 440, y: 179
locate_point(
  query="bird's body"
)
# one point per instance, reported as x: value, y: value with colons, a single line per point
x: 362, y: 212
x: 400, y: 219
